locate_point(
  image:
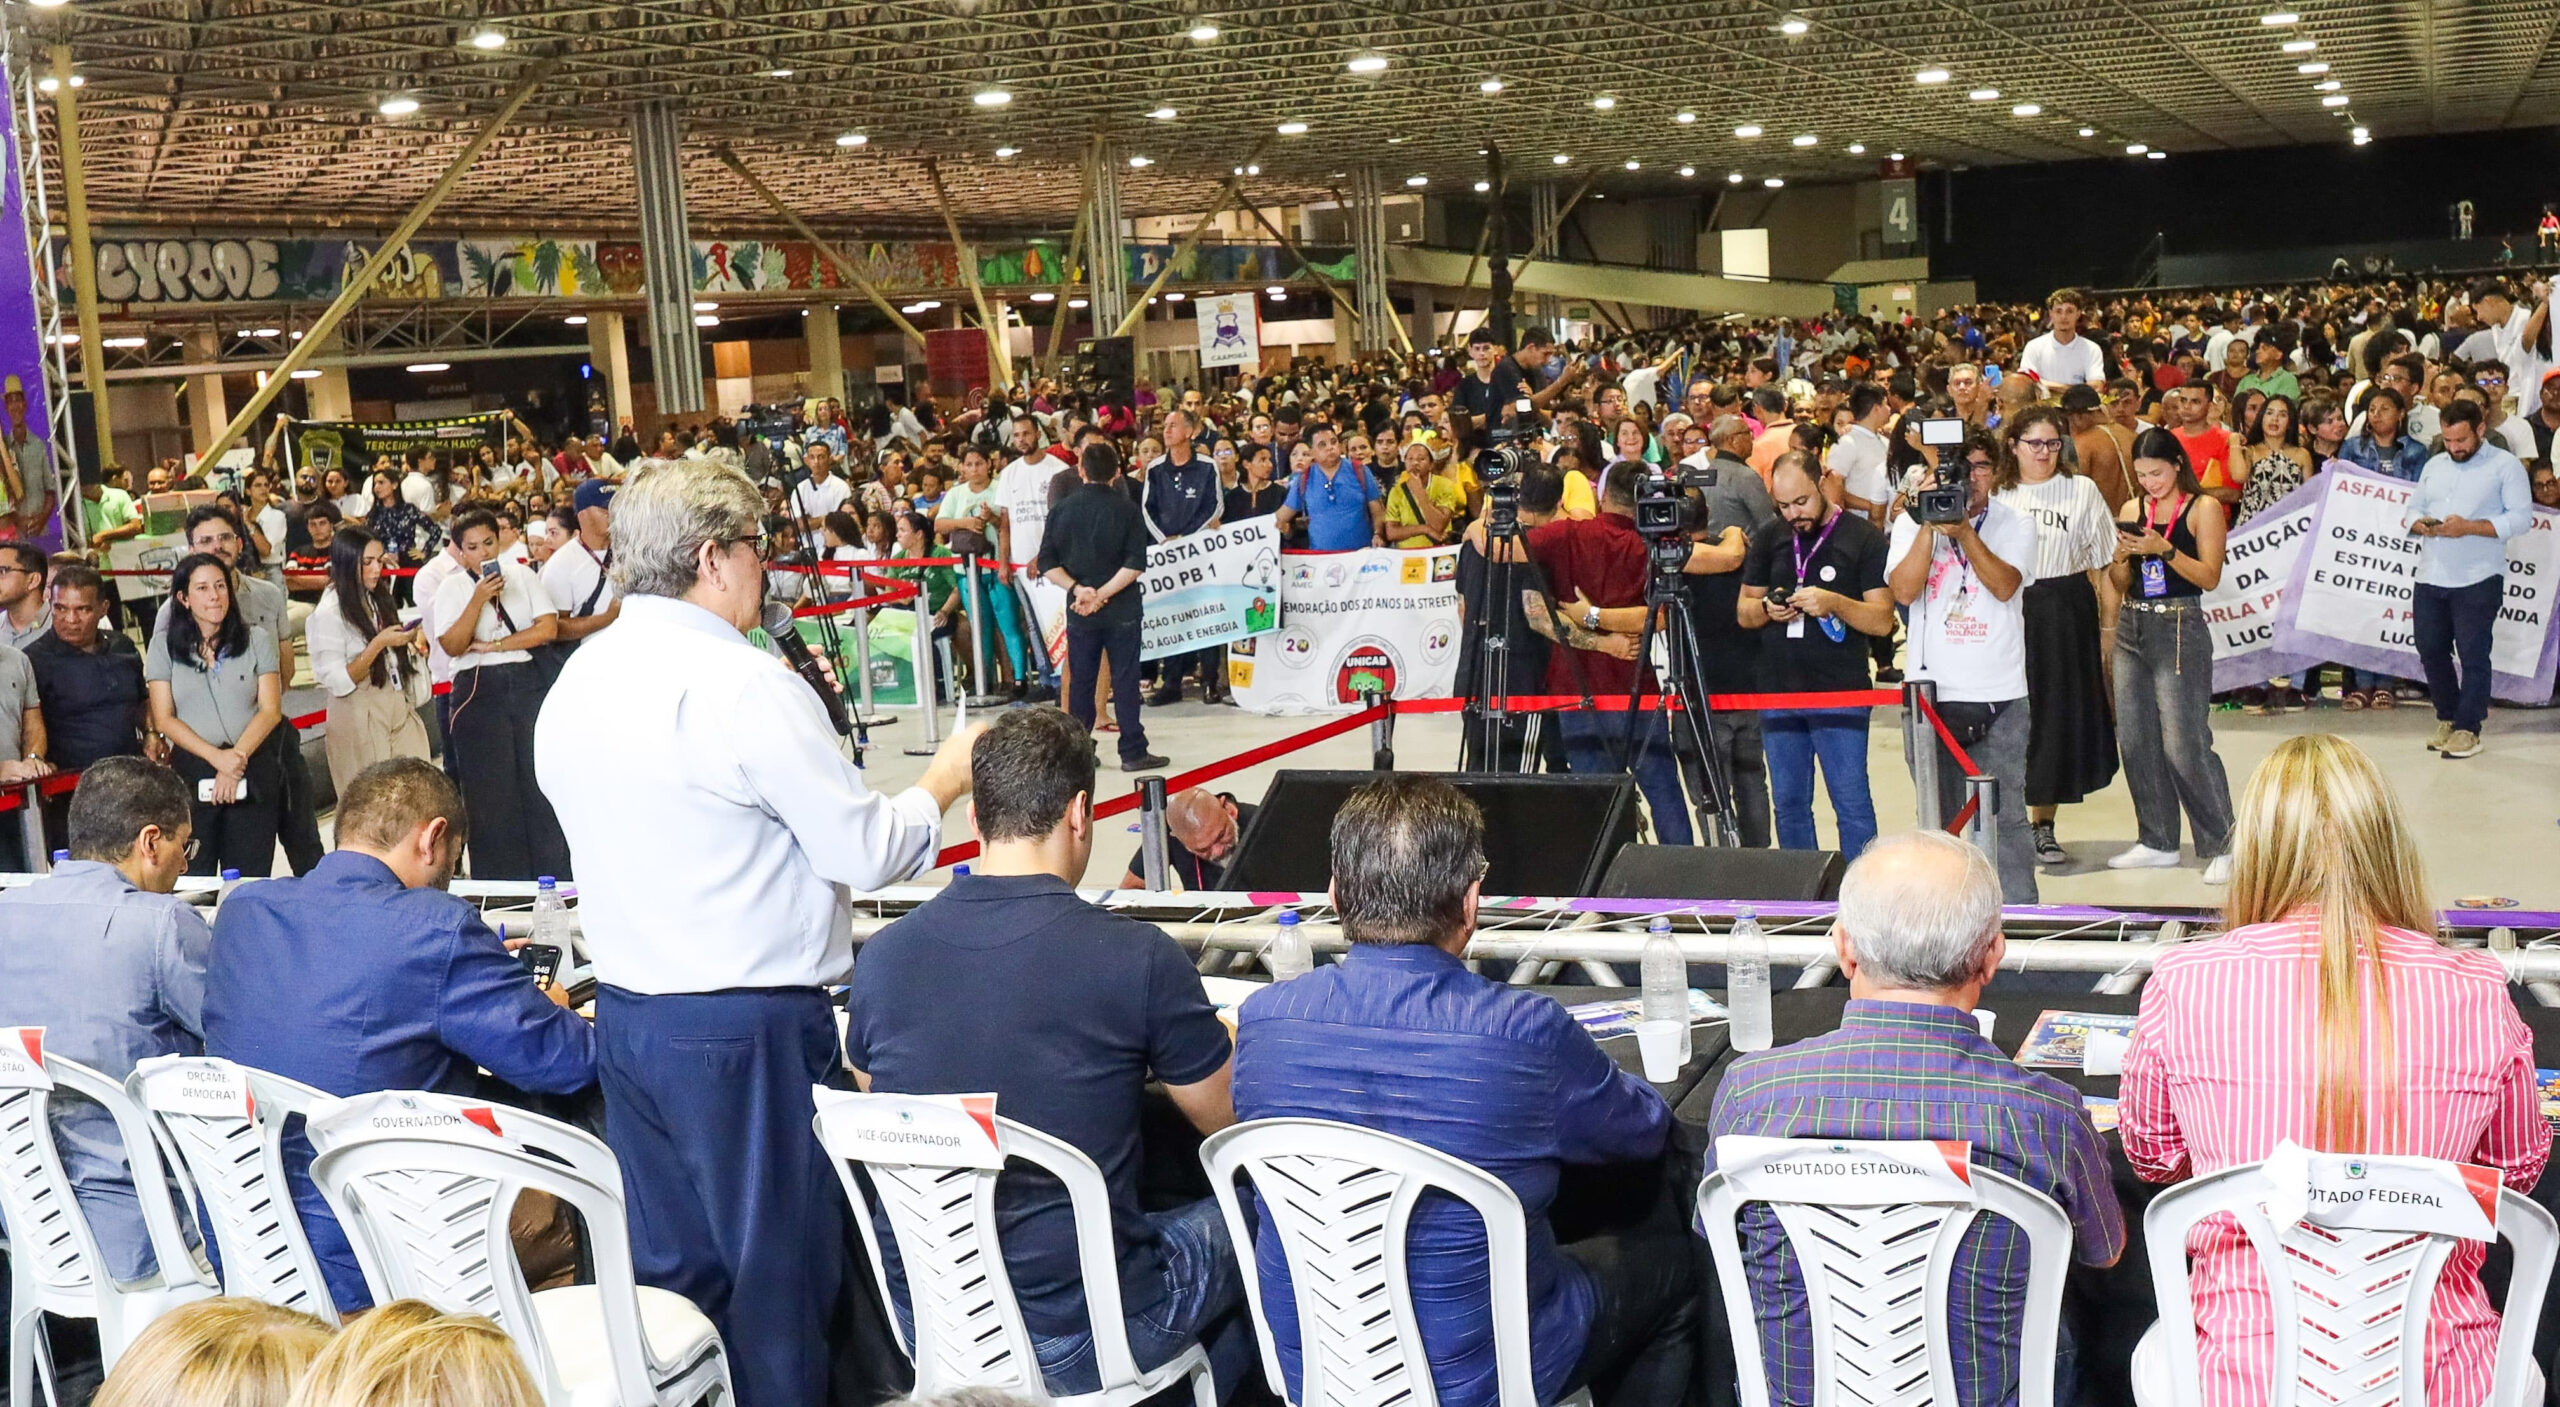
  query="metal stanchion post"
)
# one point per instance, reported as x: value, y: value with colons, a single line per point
x: 1382, y: 731
x: 31, y: 831
x: 1984, y: 792
x: 977, y: 599
x: 871, y: 717
x: 1151, y: 833
x: 1919, y: 699
x: 927, y: 660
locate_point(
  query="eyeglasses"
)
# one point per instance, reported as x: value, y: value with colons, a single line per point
x: 2041, y: 445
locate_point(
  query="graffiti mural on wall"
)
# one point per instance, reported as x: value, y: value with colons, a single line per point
x: 147, y: 271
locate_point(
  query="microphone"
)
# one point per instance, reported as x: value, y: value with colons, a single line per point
x: 795, y: 652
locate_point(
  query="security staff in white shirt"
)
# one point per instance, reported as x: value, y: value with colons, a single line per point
x: 1964, y: 583
x: 579, y: 577
x: 719, y: 830
x: 489, y: 618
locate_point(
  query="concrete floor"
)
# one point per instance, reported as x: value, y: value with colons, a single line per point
x: 2486, y: 824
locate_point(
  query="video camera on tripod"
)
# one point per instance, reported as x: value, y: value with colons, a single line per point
x: 1671, y: 510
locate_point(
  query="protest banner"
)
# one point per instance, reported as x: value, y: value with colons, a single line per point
x: 1214, y: 587
x: 2257, y: 567
x: 1353, y: 622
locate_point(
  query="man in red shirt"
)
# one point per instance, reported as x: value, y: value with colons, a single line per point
x: 2209, y: 446
x: 1595, y: 564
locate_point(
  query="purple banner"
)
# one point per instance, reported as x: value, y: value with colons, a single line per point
x: 25, y: 424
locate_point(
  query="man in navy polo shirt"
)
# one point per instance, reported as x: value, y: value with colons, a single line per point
x: 1183, y: 496
x: 1008, y: 983
x: 1340, y: 502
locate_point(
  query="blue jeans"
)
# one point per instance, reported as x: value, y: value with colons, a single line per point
x: 1591, y: 742
x: 1793, y: 739
x: 1203, y: 1304
x: 2456, y: 622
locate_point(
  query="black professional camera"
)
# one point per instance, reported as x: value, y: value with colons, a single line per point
x: 1669, y: 511
x: 1940, y: 504
x: 1500, y: 466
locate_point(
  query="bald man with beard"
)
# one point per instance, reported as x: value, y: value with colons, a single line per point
x: 1201, y: 830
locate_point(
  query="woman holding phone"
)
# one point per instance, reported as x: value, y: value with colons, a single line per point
x: 215, y: 695
x: 364, y: 657
x: 2168, y: 554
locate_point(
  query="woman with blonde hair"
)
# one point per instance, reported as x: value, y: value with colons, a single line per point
x: 362, y: 1334
x: 227, y: 1352
x: 2327, y: 1014
x: 447, y: 1360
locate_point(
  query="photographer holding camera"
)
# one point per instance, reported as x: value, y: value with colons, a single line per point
x: 1961, y: 563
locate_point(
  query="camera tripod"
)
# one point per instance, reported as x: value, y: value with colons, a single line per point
x: 1702, y: 766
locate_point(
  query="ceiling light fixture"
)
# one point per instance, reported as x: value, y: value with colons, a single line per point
x: 1368, y: 63
x: 1984, y: 95
x: 777, y: 73
x: 1417, y: 180
x: 427, y: 368
x: 307, y: 373
x: 1175, y: 297
x: 1635, y: 165
x: 2088, y: 131
x: 991, y: 97
x: 1044, y: 297
x: 1733, y: 178
x: 1893, y: 156
x: 49, y: 4
x: 1748, y: 130
x: 1490, y: 85
x: 2312, y: 68
x: 1483, y: 186
x: 1792, y: 26
x: 2300, y: 46
x: 2026, y: 110
x: 1805, y: 139
x: 1684, y: 117
x: 1203, y: 33
x: 1688, y: 171
x: 1773, y: 182
x: 48, y: 84
x: 2278, y: 17
x: 575, y: 320
x: 705, y: 306
x: 2334, y: 100
x: 1007, y: 153
x: 2135, y: 148
x: 851, y: 139
x: 706, y: 320
x: 1164, y: 114
x: 1603, y: 103
x: 1292, y: 129
x: 1931, y: 75
x: 1857, y: 148
x: 1141, y: 163
x: 397, y: 105
x: 2158, y: 155
x: 2360, y: 136
x: 488, y: 37
x: 1277, y: 291
x: 1077, y: 303
x: 264, y: 332
x: 1562, y: 159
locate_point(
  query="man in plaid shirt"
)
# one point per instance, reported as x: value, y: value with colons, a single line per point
x: 1919, y: 937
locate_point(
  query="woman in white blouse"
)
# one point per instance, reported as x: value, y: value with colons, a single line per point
x: 2071, y: 735
x: 363, y: 656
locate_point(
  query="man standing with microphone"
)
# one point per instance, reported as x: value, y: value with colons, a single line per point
x: 718, y: 830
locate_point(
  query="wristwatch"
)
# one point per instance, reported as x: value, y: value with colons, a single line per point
x: 1591, y: 618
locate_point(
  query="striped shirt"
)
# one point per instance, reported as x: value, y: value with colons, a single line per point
x: 2223, y: 1065
x: 2075, y: 530
x: 1896, y: 1070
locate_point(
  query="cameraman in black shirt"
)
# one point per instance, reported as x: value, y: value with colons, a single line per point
x: 1541, y: 492
x: 1495, y: 384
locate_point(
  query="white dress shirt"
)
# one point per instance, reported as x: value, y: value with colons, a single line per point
x: 423, y: 588
x: 334, y: 642
x: 574, y: 575
x: 519, y: 595
x: 716, y: 826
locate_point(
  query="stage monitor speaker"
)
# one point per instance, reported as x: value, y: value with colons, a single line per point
x: 1720, y: 872
x: 1543, y: 835
x: 1107, y: 369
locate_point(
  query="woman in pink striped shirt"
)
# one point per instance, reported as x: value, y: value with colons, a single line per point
x: 2327, y: 1015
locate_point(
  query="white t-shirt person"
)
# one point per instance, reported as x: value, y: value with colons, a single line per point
x: 2056, y: 363
x: 521, y: 599
x: 811, y: 499
x: 1022, y: 491
x: 1859, y: 461
x: 1969, y: 642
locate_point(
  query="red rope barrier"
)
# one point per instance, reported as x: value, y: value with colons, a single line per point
x: 1619, y: 703
x: 869, y: 564
x: 898, y: 591
x: 1963, y: 817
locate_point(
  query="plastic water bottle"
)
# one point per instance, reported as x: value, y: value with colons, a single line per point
x: 1746, y: 996
x: 1666, y: 975
x: 959, y: 871
x: 61, y: 855
x: 1290, y: 955
x: 551, y: 917
x: 230, y: 881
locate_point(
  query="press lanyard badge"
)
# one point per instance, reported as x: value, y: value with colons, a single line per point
x: 2155, y: 578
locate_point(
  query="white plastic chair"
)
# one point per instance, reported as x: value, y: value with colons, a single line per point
x: 54, y: 1264
x: 423, y: 1184
x: 941, y: 1207
x: 1876, y: 1252
x: 2349, y: 1306
x: 226, y: 1123
x: 1341, y: 1198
